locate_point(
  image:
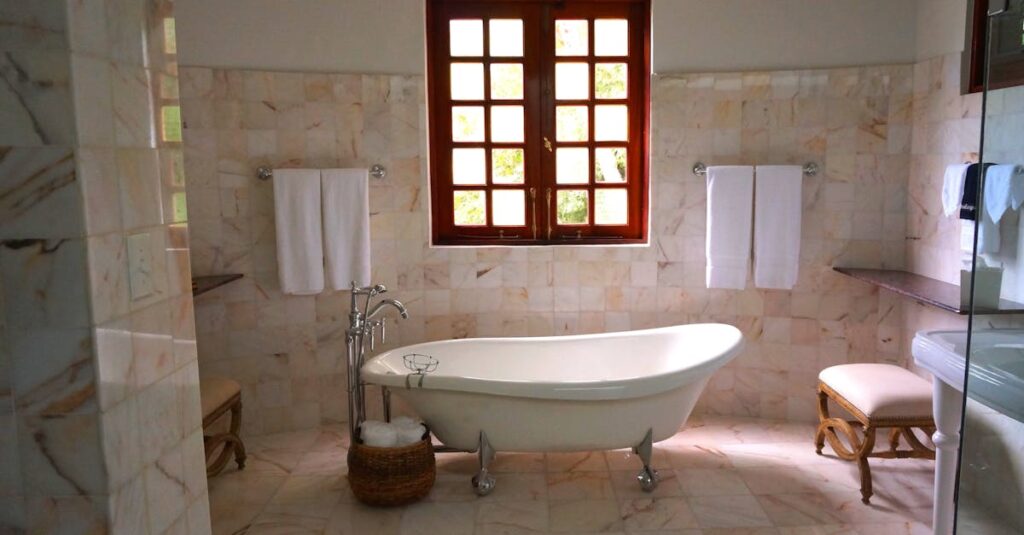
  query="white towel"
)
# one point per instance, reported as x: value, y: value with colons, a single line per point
x: 300, y: 254
x: 989, y: 240
x: 999, y: 190
x: 346, y: 214
x: 953, y: 188
x: 378, y: 434
x: 778, y: 203
x: 730, y: 203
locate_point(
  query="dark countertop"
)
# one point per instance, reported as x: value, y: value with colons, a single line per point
x: 925, y: 290
x: 203, y: 284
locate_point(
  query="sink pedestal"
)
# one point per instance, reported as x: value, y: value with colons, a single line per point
x: 947, y: 409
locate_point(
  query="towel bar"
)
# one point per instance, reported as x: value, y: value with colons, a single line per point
x: 810, y: 169
x: 376, y: 171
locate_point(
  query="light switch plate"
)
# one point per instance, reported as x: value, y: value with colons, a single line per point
x: 140, y: 265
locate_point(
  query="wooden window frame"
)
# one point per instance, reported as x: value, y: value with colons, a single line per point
x: 1006, y: 71
x: 541, y: 226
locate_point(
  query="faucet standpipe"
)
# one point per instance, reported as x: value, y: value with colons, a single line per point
x: 361, y: 326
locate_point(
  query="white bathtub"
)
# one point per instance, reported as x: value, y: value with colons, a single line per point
x: 562, y: 393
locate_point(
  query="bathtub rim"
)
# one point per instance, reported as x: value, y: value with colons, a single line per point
x: 633, y: 387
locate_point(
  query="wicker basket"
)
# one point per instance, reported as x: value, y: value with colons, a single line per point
x: 391, y: 476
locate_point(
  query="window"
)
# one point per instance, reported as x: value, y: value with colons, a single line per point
x: 1006, y: 68
x: 538, y: 121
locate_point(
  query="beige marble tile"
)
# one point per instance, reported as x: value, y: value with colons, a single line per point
x: 728, y: 511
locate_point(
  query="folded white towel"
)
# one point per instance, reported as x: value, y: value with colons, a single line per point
x: 778, y: 203
x: 346, y: 219
x: 410, y: 435
x: 999, y: 190
x: 378, y: 434
x: 300, y: 255
x: 953, y: 188
x: 730, y: 203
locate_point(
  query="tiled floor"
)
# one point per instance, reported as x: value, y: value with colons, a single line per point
x: 719, y: 476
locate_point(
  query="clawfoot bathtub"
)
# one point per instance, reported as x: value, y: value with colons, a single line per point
x: 561, y: 393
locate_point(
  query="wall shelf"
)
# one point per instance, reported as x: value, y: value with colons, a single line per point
x: 203, y: 284
x: 925, y: 290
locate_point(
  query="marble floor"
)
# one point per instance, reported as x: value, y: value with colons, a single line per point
x: 719, y: 476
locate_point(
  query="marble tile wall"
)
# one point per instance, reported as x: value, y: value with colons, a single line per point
x: 98, y: 375
x: 288, y: 351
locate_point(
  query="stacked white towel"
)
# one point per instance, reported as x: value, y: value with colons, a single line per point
x: 402, y: 431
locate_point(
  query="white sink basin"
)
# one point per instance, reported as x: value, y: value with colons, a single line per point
x: 996, y: 380
x: 997, y: 365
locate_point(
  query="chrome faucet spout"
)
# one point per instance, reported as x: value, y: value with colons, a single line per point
x: 396, y: 304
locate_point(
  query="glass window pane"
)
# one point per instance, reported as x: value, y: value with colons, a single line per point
x: 572, y: 81
x: 506, y: 37
x: 470, y: 208
x: 468, y: 166
x: 611, y: 37
x: 572, y: 165
x: 571, y: 123
x: 611, y: 207
x: 572, y: 207
x: 506, y: 81
x: 611, y: 123
x: 467, y: 123
x: 570, y: 38
x: 610, y: 80
x: 467, y: 81
x: 506, y: 124
x: 467, y: 37
x: 508, y: 166
x: 610, y: 165
x: 509, y: 207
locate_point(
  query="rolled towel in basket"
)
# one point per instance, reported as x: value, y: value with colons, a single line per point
x: 410, y: 431
x: 378, y: 434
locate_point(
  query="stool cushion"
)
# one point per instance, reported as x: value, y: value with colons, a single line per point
x: 214, y: 392
x: 881, y: 390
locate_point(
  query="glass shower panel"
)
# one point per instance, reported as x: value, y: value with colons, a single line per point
x: 990, y: 492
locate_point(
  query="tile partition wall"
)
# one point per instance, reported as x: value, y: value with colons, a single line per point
x: 288, y: 351
x: 948, y: 130
x: 98, y: 379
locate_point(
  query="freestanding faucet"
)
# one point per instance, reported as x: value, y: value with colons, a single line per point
x: 361, y: 326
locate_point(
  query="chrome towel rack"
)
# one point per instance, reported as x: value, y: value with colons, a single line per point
x: 377, y: 171
x: 810, y: 169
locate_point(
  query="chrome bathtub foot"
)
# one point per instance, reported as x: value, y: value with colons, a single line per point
x: 648, y: 477
x: 483, y: 481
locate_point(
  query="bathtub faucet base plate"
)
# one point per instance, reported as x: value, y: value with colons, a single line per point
x: 648, y: 477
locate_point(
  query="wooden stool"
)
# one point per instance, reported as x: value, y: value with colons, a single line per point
x: 217, y: 397
x: 878, y: 396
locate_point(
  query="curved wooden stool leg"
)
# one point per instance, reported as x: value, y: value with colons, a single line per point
x: 229, y: 442
x: 819, y: 435
x: 236, y: 425
x: 862, y: 462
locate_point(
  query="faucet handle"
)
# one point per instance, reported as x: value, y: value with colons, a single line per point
x: 384, y: 330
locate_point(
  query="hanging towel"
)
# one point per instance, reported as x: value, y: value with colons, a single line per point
x: 1017, y: 188
x: 300, y: 255
x: 730, y: 203
x: 346, y: 209
x: 953, y: 188
x: 989, y: 241
x: 777, y: 211
x: 971, y: 189
x: 999, y: 190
